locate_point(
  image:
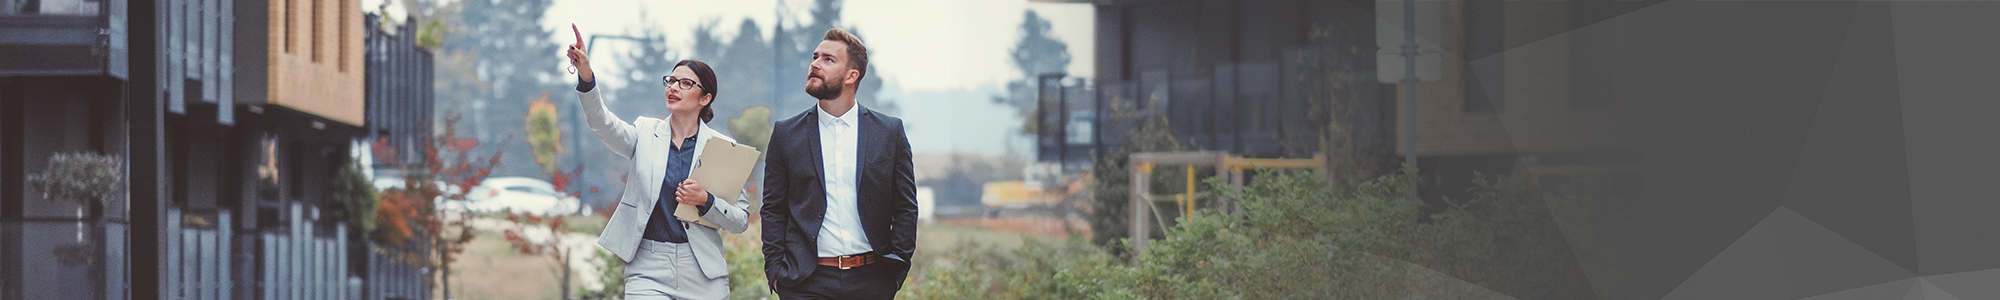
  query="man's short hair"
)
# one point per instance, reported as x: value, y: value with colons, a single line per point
x: 857, y: 55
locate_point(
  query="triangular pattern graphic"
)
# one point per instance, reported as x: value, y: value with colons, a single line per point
x: 1425, y: 283
x: 1932, y: 292
x: 1771, y: 259
x: 1916, y: 291
x: 1899, y: 289
x: 1972, y: 284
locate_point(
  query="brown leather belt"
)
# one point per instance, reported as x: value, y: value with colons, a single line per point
x: 849, y: 261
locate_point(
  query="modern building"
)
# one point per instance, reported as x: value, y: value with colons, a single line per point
x: 1511, y: 100
x: 1239, y: 76
x: 229, y: 119
x: 401, y: 98
x: 64, y: 88
x: 1258, y: 79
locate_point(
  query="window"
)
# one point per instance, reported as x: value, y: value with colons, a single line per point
x: 343, y: 17
x: 288, y: 25
x: 317, y: 28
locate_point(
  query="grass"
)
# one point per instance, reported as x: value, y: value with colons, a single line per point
x: 492, y: 269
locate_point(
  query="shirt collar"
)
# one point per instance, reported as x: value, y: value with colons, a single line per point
x: 667, y: 122
x: 827, y: 118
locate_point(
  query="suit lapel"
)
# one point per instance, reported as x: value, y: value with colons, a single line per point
x: 869, y: 137
x: 654, y: 171
x: 814, y: 208
x: 813, y: 145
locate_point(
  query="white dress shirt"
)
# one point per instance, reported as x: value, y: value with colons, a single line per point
x: 840, y: 231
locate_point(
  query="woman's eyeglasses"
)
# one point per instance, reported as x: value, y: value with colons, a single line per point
x: 678, y: 83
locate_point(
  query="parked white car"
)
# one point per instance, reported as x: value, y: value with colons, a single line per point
x: 520, y: 195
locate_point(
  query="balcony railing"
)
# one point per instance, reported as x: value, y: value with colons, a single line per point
x: 63, y: 259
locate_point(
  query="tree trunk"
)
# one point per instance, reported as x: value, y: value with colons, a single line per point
x: 565, y: 273
x: 444, y: 270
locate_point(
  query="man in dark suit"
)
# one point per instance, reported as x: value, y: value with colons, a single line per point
x: 840, y: 208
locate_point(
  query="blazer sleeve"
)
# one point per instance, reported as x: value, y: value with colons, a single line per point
x: 776, y: 219
x: 617, y: 135
x: 903, y: 217
x: 732, y: 216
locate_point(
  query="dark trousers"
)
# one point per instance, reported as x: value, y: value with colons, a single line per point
x: 878, y: 280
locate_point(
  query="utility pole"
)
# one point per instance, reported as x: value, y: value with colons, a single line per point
x: 1419, y: 54
x: 1410, y: 90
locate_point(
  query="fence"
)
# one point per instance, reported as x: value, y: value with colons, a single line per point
x: 393, y: 280
x: 300, y: 265
x: 198, y: 256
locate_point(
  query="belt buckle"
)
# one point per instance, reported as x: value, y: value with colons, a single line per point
x: 842, y: 261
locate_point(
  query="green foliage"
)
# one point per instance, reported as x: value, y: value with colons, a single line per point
x: 1295, y: 238
x: 1299, y: 238
x: 432, y: 34
x: 1038, y: 52
x: 753, y: 127
x: 1506, y: 239
x: 1111, y: 187
x: 544, y: 137
x: 746, y: 266
x: 80, y: 177
x: 1038, y: 270
x: 611, y: 276
x: 356, y: 200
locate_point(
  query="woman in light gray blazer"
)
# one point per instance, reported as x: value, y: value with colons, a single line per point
x: 666, y: 258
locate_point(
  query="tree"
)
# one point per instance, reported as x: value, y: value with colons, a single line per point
x: 410, y: 225
x: 544, y: 136
x: 356, y: 199
x: 744, y: 70
x: 825, y: 15
x: 1038, y: 52
x: 752, y: 127
x: 86, y: 179
x: 1358, y: 134
x: 497, y: 56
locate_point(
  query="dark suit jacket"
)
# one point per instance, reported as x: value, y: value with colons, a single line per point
x: 795, y: 194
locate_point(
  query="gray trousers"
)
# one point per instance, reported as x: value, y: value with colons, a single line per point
x: 661, y: 271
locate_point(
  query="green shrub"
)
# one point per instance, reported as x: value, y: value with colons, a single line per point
x: 1298, y: 238
x: 87, y: 179
x: 746, y: 265
x: 354, y: 200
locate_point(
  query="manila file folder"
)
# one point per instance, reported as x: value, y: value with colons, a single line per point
x: 723, y: 169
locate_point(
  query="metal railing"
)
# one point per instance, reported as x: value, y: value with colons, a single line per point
x: 197, y: 258
x: 297, y: 264
x: 63, y: 259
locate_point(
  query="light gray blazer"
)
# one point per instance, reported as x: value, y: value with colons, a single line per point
x: 646, y: 141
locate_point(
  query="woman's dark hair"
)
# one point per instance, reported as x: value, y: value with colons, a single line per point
x: 706, y: 76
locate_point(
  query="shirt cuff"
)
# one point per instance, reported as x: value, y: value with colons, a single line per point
x: 583, y: 86
x: 704, y: 207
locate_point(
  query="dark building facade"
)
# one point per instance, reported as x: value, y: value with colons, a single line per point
x: 228, y: 118
x: 1262, y: 78
x: 401, y: 98
x: 1252, y: 78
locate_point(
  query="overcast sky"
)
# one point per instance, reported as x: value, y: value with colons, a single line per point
x: 920, y: 45
x: 944, y: 59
